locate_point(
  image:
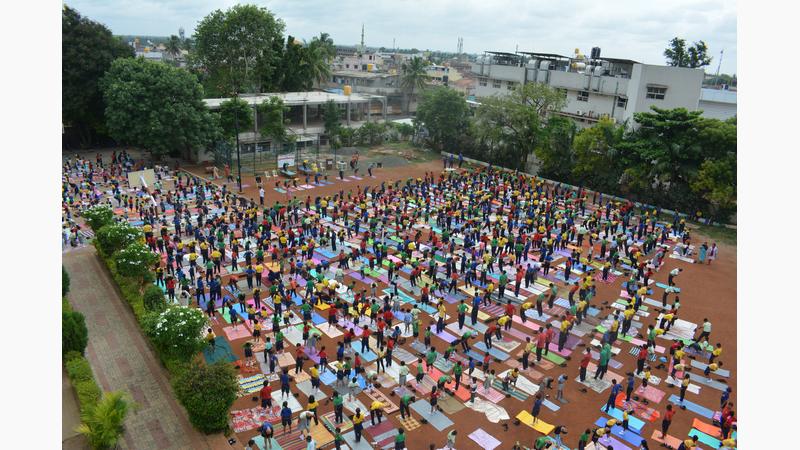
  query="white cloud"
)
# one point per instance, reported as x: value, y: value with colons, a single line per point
x: 622, y: 28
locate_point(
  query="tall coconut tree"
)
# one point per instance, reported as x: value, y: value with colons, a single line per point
x: 173, y: 45
x: 413, y: 77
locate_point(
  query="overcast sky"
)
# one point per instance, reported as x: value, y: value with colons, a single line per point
x: 632, y: 29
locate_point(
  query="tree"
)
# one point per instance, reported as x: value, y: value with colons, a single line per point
x: 174, y: 46
x: 716, y: 183
x: 104, y: 424
x: 87, y: 50
x: 117, y: 236
x: 318, y: 55
x: 694, y: 57
x: 207, y: 392
x: 333, y: 124
x: 445, y: 115
x: 511, y: 126
x: 157, y: 107
x: 273, y: 121
x: 239, y: 49
x: 597, y: 157
x: 64, y: 281
x: 74, y: 335
x: 413, y: 77
x: 555, y: 154
x: 228, y: 111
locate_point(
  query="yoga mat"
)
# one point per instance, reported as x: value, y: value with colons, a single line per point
x: 702, y: 366
x: 669, y: 441
x: 451, y: 405
x: 634, y: 423
x: 293, y: 404
x: 305, y: 388
x: 618, y: 430
x: 221, y: 352
x: 493, y: 412
x: 706, y: 428
x: 437, y: 419
x: 502, y: 356
x: 693, y: 407
x: 704, y: 438
x: 485, y: 440
x: 364, y: 444
x: 540, y: 425
x: 263, y: 445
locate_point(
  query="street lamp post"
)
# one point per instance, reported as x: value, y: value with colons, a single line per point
x: 238, y: 154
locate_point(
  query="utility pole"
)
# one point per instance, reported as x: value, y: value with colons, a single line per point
x: 716, y: 77
x: 238, y: 154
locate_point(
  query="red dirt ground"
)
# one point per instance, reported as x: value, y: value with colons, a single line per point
x: 707, y: 292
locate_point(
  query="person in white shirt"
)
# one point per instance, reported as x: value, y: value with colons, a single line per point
x: 706, y: 330
x: 672, y: 274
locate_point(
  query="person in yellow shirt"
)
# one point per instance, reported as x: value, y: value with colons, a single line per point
x: 376, y: 411
x: 716, y: 353
x: 312, y: 407
x: 358, y: 424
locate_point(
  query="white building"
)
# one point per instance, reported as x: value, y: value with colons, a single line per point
x: 718, y: 103
x: 597, y: 87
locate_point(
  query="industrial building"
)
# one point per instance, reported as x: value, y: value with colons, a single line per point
x: 597, y: 87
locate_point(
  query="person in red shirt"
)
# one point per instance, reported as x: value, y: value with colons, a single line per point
x: 727, y: 425
x: 510, y: 309
x: 541, y: 342
x: 587, y: 356
x: 365, y: 340
x: 357, y: 364
x: 641, y: 358
x: 266, y: 396
x: 487, y: 336
x: 549, y: 333
x: 381, y: 325
x: 667, y: 421
x: 323, y: 359
x: 332, y: 316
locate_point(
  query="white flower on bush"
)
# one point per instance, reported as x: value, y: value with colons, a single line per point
x: 181, y: 329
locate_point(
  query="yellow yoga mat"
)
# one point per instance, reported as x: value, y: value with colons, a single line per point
x: 541, y: 426
x: 481, y: 315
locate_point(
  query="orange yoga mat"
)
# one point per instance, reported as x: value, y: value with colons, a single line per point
x: 669, y: 441
x: 706, y: 428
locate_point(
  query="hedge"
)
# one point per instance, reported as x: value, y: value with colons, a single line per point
x: 80, y: 374
x: 64, y: 281
x: 74, y: 335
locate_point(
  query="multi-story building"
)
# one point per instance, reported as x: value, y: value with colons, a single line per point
x: 595, y: 86
x: 374, y: 83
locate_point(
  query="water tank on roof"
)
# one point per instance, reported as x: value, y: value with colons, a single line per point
x: 532, y: 64
x: 595, y: 52
x: 348, y: 89
x: 544, y: 65
x: 369, y: 67
x: 579, y: 66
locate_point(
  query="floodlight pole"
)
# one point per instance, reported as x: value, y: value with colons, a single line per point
x: 238, y: 154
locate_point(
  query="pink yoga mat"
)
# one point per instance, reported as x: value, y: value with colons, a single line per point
x: 484, y: 439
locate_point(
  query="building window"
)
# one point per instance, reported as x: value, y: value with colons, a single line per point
x: 622, y: 102
x: 511, y: 85
x: 583, y: 96
x: 656, y: 93
x: 482, y: 81
x: 496, y: 84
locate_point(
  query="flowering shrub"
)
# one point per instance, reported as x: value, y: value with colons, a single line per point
x: 116, y: 236
x: 135, y: 261
x: 178, y: 331
x: 98, y: 216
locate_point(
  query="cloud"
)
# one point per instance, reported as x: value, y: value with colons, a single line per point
x: 622, y: 28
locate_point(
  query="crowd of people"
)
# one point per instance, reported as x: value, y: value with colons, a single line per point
x: 388, y: 265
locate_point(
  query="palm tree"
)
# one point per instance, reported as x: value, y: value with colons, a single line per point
x: 174, y: 46
x: 414, y: 76
x: 317, y: 58
x: 103, y: 424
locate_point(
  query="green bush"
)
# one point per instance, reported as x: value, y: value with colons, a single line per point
x: 78, y: 369
x: 70, y: 356
x: 116, y: 236
x: 74, y: 335
x: 64, y: 281
x: 65, y: 306
x: 178, y: 331
x: 89, y: 394
x: 153, y: 298
x: 135, y: 261
x: 207, y: 392
x: 103, y: 424
x: 98, y: 216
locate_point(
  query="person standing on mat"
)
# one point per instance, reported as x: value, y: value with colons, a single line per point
x: 358, y: 424
x: 666, y: 421
x: 612, y: 396
x: 587, y: 357
x: 684, y: 386
x: 537, y: 407
x: 629, y: 386
x: 706, y: 330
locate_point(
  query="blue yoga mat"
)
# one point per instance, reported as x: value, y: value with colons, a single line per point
x: 502, y: 356
x: 221, y: 352
x: 327, y: 377
x: 706, y: 439
x: 664, y: 286
x: 317, y: 319
x: 693, y: 407
x: 618, y: 431
x: 633, y: 423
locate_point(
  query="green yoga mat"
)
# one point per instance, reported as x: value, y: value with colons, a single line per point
x: 704, y: 438
x: 221, y: 352
x: 552, y: 357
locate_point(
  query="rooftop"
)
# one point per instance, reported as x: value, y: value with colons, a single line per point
x: 297, y: 98
x: 718, y: 95
x: 360, y: 74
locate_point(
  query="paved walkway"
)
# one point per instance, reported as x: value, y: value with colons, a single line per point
x: 70, y: 417
x: 122, y: 360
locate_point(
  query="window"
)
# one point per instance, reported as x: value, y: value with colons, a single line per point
x: 482, y: 81
x: 511, y: 85
x: 347, y: 66
x: 656, y: 92
x: 583, y: 96
x: 622, y: 102
x: 496, y: 84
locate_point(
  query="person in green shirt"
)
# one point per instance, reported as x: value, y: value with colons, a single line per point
x: 457, y: 371
x: 420, y: 371
x: 584, y: 439
x: 431, y: 357
x: 541, y: 443
x: 338, y: 439
x: 338, y: 405
x: 405, y: 401
x: 400, y: 440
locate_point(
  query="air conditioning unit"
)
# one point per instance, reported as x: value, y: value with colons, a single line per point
x: 580, y: 113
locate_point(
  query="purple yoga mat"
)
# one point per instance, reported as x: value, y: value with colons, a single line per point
x: 447, y: 337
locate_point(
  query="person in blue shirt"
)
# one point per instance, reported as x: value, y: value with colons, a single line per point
x: 201, y: 290
x: 629, y: 387
x: 615, y: 388
x: 284, y: 377
x: 286, y: 417
x: 476, y: 303
x: 267, y: 432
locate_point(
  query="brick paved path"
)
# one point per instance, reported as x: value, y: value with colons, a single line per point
x: 122, y: 360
